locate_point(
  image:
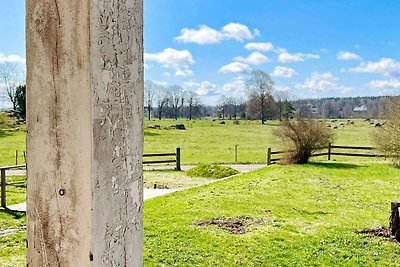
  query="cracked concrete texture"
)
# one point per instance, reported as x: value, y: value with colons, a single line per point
x: 84, y: 132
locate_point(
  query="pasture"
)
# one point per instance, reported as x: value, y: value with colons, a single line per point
x: 306, y: 215
x: 207, y: 141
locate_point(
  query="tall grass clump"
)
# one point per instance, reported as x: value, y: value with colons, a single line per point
x: 304, y: 137
x: 387, y: 138
x: 211, y: 171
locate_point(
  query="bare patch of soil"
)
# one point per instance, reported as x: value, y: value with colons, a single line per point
x: 383, y: 232
x: 236, y: 225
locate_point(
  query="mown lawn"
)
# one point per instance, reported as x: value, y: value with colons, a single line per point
x: 302, y: 216
x: 307, y: 216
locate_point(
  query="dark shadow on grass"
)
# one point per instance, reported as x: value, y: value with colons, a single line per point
x: 16, y: 214
x: 6, y: 132
x: 334, y: 165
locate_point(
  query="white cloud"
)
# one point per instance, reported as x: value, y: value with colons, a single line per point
x: 206, y: 35
x: 385, y: 84
x: 386, y: 66
x: 239, y: 32
x: 190, y: 84
x: 161, y: 83
x: 342, y: 55
x: 284, y: 72
x: 184, y: 72
x: 175, y: 59
x: 323, y: 82
x: 171, y: 57
x: 255, y: 58
x: 263, y: 47
x: 238, y: 84
x: 11, y: 59
x: 166, y: 73
x: 286, y: 57
x: 205, y: 88
x: 235, y: 67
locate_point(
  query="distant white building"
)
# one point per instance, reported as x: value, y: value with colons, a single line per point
x: 363, y: 108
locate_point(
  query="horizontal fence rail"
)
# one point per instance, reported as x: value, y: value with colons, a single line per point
x: 176, y: 159
x: 329, y: 153
x: 4, y: 183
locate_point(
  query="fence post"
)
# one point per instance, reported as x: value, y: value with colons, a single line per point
x: 178, y: 159
x: 268, y: 156
x: 329, y: 151
x: 16, y: 157
x: 236, y: 153
x: 3, y: 188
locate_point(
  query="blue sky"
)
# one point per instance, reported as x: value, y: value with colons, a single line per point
x: 311, y: 48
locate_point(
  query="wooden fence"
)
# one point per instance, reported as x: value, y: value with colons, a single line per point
x: 173, y: 158
x: 331, y: 151
x: 176, y: 158
x: 4, y: 183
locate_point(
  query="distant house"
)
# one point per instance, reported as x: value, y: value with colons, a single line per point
x: 363, y: 108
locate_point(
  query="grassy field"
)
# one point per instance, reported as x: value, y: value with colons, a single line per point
x: 206, y: 141
x: 306, y: 215
x: 298, y: 216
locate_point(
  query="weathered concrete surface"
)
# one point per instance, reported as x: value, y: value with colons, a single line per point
x: 84, y: 140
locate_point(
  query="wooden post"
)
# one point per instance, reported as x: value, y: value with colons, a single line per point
x: 394, y: 222
x: 268, y: 156
x: 329, y: 151
x: 178, y: 159
x: 84, y: 132
x: 236, y: 153
x: 3, y: 188
x: 16, y: 157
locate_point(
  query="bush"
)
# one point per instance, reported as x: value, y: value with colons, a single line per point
x: 211, y: 171
x: 387, y: 138
x: 304, y: 138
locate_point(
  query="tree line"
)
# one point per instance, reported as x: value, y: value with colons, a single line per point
x: 263, y: 102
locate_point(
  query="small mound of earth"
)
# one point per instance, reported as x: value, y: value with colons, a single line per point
x: 378, y: 232
x: 236, y: 225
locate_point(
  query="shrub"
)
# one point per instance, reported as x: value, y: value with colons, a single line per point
x: 387, y: 138
x: 304, y: 137
x: 211, y: 171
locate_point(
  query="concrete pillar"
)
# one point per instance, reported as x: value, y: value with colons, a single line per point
x: 84, y: 132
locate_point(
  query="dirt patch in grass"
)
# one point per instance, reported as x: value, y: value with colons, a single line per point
x: 236, y: 225
x: 383, y: 232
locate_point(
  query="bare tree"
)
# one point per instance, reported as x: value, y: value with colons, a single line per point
x: 176, y: 99
x: 161, y: 99
x: 260, y: 87
x: 150, y: 89
x: 193, y: 102
x: 11, y: 76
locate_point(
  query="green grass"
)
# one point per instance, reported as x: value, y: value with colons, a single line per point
x: 204, y: 141
x: 12, y: 247
x: 172, y: 179
x: 308, y: 215
x: 15, y: 195
x: 12, y: 138
x: 211, y: 171
x: 311, y: 214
